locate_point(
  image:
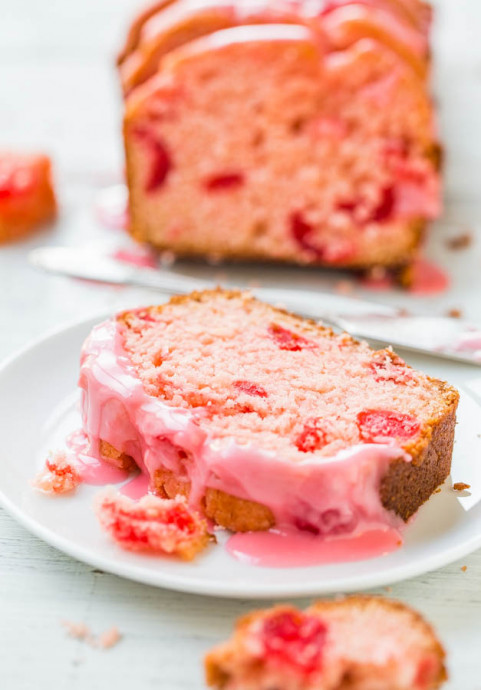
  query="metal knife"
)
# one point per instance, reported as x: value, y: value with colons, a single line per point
x: 441, y: 337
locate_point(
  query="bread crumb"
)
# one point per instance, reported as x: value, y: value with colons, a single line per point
x: 437, y: 491
x: 454, y: 313
x: 461, y: 241
x: 388, y: 589
x: 461, y: 486
x: 81, y: 631
x: 109, y: 638
x: 464, y: 568
x: 59, y: 475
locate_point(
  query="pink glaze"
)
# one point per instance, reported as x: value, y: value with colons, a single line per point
x: 141, y: 257
x: 293, y: 549
x: 93, y: 470
x: 428, y: 279
x: 334, y: 495
x: 136, y: 487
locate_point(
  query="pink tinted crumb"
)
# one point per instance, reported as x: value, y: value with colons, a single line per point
x: 109, y: 638
x: 152, y: 524
x: 59, y: 475
x: 79, y: 631
x: 387, y: 366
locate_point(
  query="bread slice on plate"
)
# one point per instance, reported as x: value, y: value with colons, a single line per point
x: 262, y: 418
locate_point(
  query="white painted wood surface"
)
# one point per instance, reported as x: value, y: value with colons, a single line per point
x: 58, y: 93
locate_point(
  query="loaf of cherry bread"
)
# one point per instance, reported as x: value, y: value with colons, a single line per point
x: 262, y: 418
x: 282, y: 130
x: 357, y: 643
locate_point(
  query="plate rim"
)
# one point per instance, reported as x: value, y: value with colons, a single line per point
x: 295, y: 588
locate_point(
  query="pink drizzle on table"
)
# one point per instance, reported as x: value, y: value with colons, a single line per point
x: 336, y: 495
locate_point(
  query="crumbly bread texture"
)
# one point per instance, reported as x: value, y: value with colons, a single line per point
x: 357, y: 643
x: 261, y: 376
x: 27, y: 198
x: 281, y: 132
x: 152, y: 524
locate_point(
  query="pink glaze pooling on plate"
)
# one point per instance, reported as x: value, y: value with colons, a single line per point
x: 116, y: 408
x: 93, y: 470
x: 288, y: 548
x: 137, y: 487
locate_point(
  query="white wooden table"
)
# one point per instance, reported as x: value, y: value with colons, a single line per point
x: 58, y: 93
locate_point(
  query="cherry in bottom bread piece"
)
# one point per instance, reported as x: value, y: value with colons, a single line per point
x: 356, y: 643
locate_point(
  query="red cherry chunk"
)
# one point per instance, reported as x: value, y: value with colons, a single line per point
x: 224, y: 181
x: 375, y: 426
x: 294, y: 639
x: 160, y: 161
x: 312, y: 437
x: 302, y: 231
x: 381, y: 213
x: 251, y: 388
x: 288, y: 340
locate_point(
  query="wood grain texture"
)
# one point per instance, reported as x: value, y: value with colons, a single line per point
x: 59, y: 94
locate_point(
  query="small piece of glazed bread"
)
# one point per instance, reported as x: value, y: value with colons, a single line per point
x: 357, y: 643
x: 322, y: 150
x: 27, y: 198
x: 153, y: 524
x: 260, y: 417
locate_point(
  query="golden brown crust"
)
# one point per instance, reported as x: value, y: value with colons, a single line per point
x: 405, y: 487
x: 116, y: 458
x: 217, y: 660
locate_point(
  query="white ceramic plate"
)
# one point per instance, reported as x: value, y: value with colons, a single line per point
x: 38, y: 408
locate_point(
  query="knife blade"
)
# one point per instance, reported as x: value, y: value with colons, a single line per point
x: 441, y: 337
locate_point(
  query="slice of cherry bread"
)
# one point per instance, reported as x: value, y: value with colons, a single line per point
x: 357, y: 643
x: 260, y: 417
x: 27, y: 198
x: 282, y: 131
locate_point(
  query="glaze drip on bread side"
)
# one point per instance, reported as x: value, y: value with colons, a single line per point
x: 161, y: 385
